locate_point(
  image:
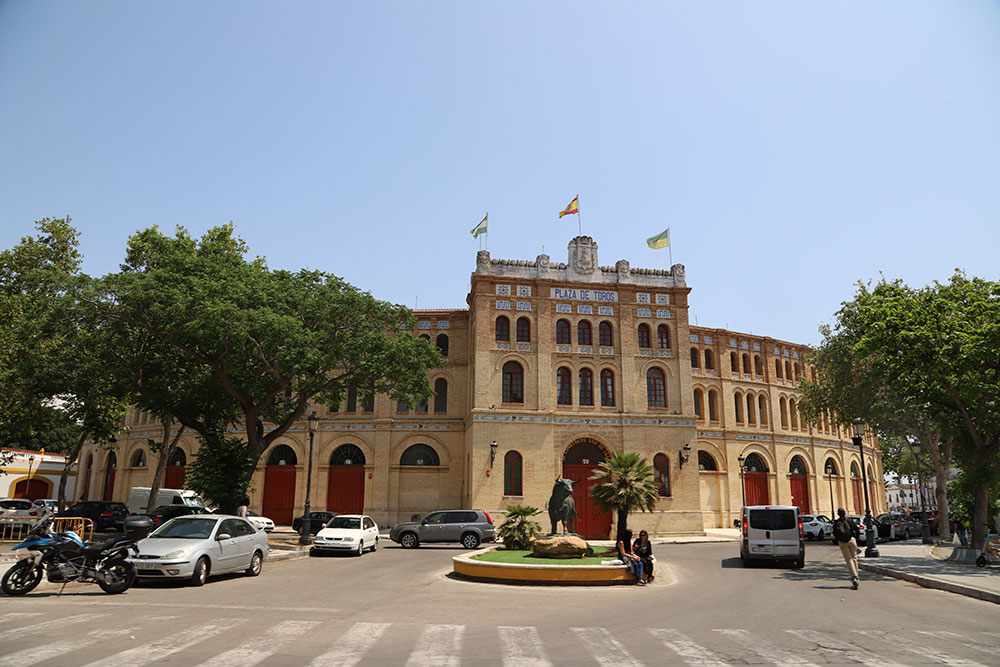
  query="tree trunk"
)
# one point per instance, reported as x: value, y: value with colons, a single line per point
x: 980, y: 517
x: 70, y: 460
x: 167, y: 447
x: 941, y: 471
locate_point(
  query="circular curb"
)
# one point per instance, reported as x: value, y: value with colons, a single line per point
x: 466, y: 566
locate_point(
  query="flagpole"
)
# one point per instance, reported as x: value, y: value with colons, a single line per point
x: 579, y: 216
x: 670, y: 247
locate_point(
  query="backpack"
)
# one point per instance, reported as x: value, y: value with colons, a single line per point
x: 842, y: 530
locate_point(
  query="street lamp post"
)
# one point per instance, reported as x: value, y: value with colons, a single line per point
x: 829, y: 476
x: 31, y: 462
x: 743, y: 486
x: 915, y: 450
x: 306, y: 536
x: 871, y: 551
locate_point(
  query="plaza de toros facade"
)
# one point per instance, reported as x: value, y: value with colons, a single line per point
x: 552, y: 367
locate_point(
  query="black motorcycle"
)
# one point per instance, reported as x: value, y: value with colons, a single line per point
x: 64, y: 557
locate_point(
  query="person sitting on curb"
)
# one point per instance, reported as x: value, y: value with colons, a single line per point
x: 632, y: 562
x: 846, y: 533
x: 643, y: 548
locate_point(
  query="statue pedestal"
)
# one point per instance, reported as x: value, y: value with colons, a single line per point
x: 560, y: 546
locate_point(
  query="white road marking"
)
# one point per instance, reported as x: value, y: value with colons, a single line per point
x: 14, y: 615
x: 258, y: 650
x: 954, y: 636
x: 923, y: 650
x: 764, y: 649
x: 607, y: 651
x: 692, y: 653
x: 36, y: 654
x: 48, y: 625
x: 522, y: 647
x: 227, y: 607
x: 161, y: 648
x: 438, y: 646
x: 352, y: 646
x: 843, y: 649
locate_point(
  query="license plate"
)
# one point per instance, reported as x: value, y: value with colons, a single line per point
x: 761, y: 549
x: 147, y: 566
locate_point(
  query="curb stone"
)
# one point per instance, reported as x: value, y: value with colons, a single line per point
x: 932, y: 582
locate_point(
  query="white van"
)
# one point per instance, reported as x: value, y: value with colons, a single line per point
x: 138, y: 499
x: 772, y: 532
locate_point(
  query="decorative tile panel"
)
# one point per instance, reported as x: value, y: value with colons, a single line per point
x: 564, y: 308
x: 663, y: 299
x: 605, y: 310
x: 663, y: 313
x: 423, y: 324
x: 756, y: 347
x: 644, y: 312
x: 564, y: 348
x: 645, y: 353
x: 585, y: 350
x: 524, y: 290
x: 707, y: 340
x: 693, y: 338
x: 503, y: 290
x: 503, y: 346
x: 524, y: 305
x: 503, y: 305
x: 666, y: 353
x: 585, y: 310
x: 745, y: 345
x: 523, y: 347
x: 607, y: 350
x: 443, y: 324
x: 642, y: 297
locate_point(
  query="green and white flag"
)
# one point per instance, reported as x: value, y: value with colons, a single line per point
x: 480, y: 228
x: 661, y: 240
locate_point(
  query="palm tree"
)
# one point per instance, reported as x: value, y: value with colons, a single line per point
x: 517, y: 531
x: 627, y: 483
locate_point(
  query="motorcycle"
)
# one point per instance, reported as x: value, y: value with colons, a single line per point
x: 64, y: 557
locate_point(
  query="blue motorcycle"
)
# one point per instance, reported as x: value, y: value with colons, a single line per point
x: 64, y: 557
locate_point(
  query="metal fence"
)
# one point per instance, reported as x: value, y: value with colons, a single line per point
x: 15, y: 529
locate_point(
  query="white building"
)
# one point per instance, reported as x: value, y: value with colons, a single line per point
x: 34, y: 475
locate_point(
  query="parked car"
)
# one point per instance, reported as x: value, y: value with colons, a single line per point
x: 772, y: 532
x: 46, y: 504
x: 105, y: 514
x: 259, y: 522
x: 318, y: 521
x: 859, y: 521
x: 816, y: 527
x: 21, y: 509
x: 932, y: 521
x: 470, y: 527
x: 165, y: 513
x: 911, y: 525
x: 196, y: 547
x: 350, y: 533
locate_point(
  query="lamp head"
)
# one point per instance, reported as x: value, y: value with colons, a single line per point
x: 915, y: 447
x: 313, y: 422
x: 493, y: 452
x: 858, y: 424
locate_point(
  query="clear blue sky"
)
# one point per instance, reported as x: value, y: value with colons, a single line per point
x: 792, y: 148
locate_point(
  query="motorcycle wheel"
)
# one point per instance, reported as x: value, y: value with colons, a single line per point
x: 21, y: 578
x: 125, y: 573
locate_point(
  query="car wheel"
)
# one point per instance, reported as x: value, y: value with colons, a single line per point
x: 200, y: 573
x: 256, y: 563
x: 470, y: 540
x: 375, y: 545
x: 906, y: 534
x: 361, y: 548
x: 799, y: 563
x: 409, y: 541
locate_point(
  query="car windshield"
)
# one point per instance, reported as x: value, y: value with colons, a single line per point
x: 187, y: 528
x: 344, y: 522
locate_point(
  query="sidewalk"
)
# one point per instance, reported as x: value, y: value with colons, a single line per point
x: 944, y: 567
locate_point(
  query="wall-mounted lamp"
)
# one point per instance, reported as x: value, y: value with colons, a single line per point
x: 685, y: 454
x: 493, y: 452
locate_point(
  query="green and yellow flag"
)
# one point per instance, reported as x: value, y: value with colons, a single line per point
x: 661, y: 240
x: 480, y: 228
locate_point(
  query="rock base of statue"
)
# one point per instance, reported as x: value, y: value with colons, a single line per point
x: 560, y: 546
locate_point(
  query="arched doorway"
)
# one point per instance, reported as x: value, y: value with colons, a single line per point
x: 798, y: 480
x: 756, y: 480
x: 33, y: 489
x: 279, y: 485
x: 173, y: 477
x: 856, y: 488
x: 345, y: 491
x: 109, y: 476
x: 87, y: 469
x: 578, y: 464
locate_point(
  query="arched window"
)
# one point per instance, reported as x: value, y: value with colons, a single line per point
x: 830, y: 467
x: 282, y: 455
x: 442, y: 344
x: 738, y: 404
x: 564, y: 392
x: 656, y: 388
x: 419, y: 455
x: 695, y: 358
x: 352, y: 400
x: 793, y: 411
x: 757, y: 368
x: 663, y: 337
x: 605, y: 335
x: 661, y: 464
x: 178, y: 458
x: 797, y: 466
x: 644, y: 335
x: 751, y: 412
x: 755, y: 463
x: 709, y: 361
x: 562, y: 332
x: 699, y: 399
x: 421, y: 406
x: 777, y: 368
x: 783, y: 406
x: 523, y: 330
x: 854, y: 470
x: 762, y: 409
x: 746, y: 364
x: 503, y: 329
x: 798, y: 372
x: 512, y: 474
x: 706, y: 461
x: 586, y: 386
x: 734, y: 362
x: 713, y: 405
x: 369, y: 403
x: 425, y: 337
x: 440, y: 395
x: 401, y: 406
x: 139, y: 459
x: 513, y: 383
x: 788, y: 369
x: 347, y: 455
x: 583, y: 333
x: 607, y: 388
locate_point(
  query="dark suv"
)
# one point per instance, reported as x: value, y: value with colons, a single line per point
x: 105, y: 514
x: 470, y: 527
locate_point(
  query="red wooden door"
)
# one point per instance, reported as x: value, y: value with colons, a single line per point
x: 856, y: 487
x: 279, y: 494
x: 345, y: 491
x: 757, y: 488
x: 800, y: 492
x: 109, y: 484
x: 593, y: 522
x: 31, y: 489
x: 173, y: 477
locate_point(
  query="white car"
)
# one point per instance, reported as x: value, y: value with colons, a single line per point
x: 352, y: 533
x: 816, y: 527
x: 27, y: 515
x: 47, y: 504
x: 260, y: 522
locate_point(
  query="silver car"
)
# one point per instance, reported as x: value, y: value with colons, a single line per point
x: 470, y: 527
x: 195, y: 547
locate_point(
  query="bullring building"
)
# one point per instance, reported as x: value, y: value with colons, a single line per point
x: 552, y: 367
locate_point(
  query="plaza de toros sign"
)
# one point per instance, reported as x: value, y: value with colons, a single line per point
x: 585, y: 294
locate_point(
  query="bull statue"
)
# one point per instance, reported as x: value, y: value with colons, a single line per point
x: 562, y: 507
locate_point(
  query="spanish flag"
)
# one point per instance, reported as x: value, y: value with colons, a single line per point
x: 574, y: 207
x: 661, y: 240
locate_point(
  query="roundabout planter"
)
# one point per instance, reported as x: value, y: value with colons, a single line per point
x: 559, y: 573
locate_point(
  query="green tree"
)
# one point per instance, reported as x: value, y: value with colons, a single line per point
x: 625, y: 483
x: 518, y: 529
x: 215, y: 466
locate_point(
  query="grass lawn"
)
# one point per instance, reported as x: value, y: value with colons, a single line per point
x: 525, y: 558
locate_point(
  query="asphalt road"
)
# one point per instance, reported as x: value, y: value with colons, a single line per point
x: 397, y: 607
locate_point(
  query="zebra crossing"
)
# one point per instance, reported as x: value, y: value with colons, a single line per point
x: 243, y: 642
